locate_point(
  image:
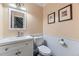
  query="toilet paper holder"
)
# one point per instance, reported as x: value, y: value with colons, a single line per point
x: 63, y: 43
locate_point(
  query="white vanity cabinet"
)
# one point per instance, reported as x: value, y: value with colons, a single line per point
x: 21, y: 48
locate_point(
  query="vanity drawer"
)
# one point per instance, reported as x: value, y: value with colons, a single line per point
x: 6, y: 48
x: 15, y: 46
x: 9, y: 53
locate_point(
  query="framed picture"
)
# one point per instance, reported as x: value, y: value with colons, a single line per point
x: 51, y: 18
x: 65, y: 13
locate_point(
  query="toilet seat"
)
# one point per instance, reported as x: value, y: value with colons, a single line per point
x: 44, y: 50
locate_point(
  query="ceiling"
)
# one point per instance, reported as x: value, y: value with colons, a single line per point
x: 41, y: 4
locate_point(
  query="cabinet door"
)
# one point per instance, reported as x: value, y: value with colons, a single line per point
x: 27, y: 49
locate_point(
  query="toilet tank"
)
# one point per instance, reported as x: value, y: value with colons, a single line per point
x: 38, y: 40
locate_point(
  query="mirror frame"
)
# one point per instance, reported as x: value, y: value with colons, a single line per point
x: 11, y: 21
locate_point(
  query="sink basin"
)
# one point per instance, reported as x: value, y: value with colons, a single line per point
x: 24, y: 37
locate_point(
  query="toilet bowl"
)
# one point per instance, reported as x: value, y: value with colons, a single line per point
x: 44, y: 50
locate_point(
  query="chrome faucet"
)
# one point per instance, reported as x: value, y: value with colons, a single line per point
x: 20, y: 34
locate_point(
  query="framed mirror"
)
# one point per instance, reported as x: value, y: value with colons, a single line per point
x: 17, y: 19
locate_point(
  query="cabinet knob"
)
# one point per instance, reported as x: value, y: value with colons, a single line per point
x: 6, y: 49
x: 26, y: 43
x: 17, y: 53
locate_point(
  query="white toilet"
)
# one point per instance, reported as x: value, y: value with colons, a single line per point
x: 43, y: 50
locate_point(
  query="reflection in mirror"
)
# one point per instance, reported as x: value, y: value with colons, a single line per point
x: 18, y: 22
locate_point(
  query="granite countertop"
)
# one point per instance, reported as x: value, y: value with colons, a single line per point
x: 10, y: 40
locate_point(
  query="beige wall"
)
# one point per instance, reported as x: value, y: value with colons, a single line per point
x: 69, y: 29
x: 1, y: 20
x: 35, y: 14
x: 34, y: 21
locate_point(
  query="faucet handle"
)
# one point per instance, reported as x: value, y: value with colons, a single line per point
x: 22, y: 33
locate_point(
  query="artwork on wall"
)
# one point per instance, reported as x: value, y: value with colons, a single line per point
x: 51, y: 18
x: 65, y: 13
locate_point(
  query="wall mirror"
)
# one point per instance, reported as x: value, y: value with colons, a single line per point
x: 17, y: 19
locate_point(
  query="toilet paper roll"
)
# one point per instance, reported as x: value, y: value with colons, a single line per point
x: 62, y: 42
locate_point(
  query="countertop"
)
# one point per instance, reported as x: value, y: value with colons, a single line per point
x: 11, y: 40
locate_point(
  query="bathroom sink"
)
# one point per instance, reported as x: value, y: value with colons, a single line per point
x: 23, y: 37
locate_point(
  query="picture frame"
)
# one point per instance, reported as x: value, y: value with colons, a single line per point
x: 65, y: 13
x: 51, y: 18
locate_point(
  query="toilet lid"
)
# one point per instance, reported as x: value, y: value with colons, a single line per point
x: 44, y: 49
